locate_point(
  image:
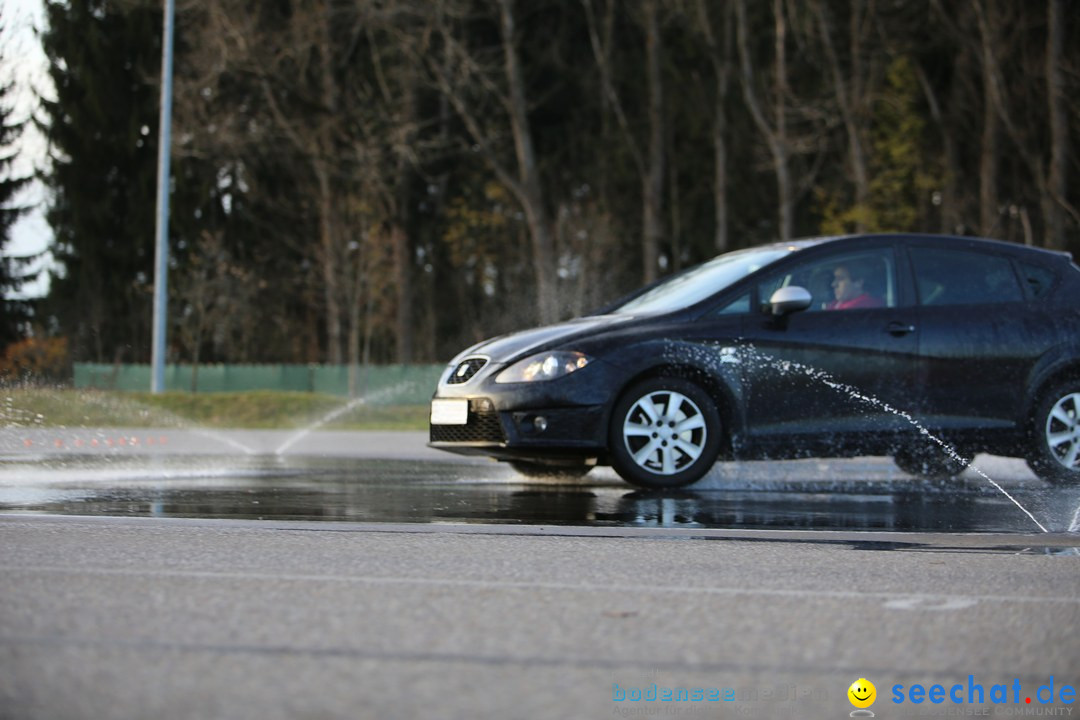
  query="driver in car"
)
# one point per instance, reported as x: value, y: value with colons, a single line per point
x: 848, y: 289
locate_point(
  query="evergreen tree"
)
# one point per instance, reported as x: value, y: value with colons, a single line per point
x: 13, y: 313
x: 104, y: 56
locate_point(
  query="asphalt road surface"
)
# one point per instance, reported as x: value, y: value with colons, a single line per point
x: 142, y: 612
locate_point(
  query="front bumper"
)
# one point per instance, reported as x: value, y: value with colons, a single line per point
x: 560, y: 434
x: 559, y: 420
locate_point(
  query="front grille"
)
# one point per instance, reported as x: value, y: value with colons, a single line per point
x: 482, y: 427
x: 465, y: 370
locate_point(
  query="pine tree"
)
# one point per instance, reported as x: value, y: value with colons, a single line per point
x: 13, y: 313
x: 104, y: 57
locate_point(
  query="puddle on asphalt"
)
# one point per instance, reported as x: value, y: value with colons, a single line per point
x: 311, y: 488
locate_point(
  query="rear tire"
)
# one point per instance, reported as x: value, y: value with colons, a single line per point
x: 1055, y: 452
x: 665, y: 433
x: 932, y: 463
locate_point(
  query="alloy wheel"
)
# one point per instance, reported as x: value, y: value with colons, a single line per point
x: 1063, y: 431
x: 665, y: 432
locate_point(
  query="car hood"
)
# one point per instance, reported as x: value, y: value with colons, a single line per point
x: 509, y: 347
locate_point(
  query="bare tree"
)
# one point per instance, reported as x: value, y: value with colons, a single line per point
x: 334, y: 86
x: 649, y: 155
x: 947, y: 197
x: 653, y: 191
x: 718, y: 41
x: 850, y: 90
x: 1055, y: 203
x: 1027, y: 141
x: 460, y: 73
x: 288, y: 103
x: 317, y: 136
x: 775, y: 128
x: 390, y: 142
x: 990, y: 40
x: 214, y: 297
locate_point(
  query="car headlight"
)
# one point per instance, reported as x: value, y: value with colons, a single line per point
x: 545, y: 366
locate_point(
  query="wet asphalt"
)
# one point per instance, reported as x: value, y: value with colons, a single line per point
x: 394, y: 478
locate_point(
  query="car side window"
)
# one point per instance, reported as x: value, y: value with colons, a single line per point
x: 963, y: 277
x: 738, y: 306
x: 847, y: 281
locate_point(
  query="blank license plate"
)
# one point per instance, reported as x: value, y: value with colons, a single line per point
x: 450, y: 412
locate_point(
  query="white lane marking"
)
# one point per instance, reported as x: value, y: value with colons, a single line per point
x: 932, y: 603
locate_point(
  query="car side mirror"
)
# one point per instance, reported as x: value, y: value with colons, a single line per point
x: 789, y: 299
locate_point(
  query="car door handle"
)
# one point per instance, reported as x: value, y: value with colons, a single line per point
x: 899, y: 328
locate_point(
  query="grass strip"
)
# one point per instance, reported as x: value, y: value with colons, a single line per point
x: 262, y: 409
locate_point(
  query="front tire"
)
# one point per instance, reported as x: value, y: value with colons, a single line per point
x: 665, y: 433
x: 1055, y: 452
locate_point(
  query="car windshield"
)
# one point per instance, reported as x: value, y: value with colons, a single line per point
x: 698, y: 283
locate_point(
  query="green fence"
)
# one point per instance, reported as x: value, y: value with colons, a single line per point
x: 380, y: 384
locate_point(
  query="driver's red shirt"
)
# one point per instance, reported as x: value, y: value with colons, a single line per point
x: 866, y: 300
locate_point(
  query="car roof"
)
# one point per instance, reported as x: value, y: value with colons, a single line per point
x: 956, y: 240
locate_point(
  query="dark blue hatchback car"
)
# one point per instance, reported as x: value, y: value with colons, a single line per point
x: 927, y: 348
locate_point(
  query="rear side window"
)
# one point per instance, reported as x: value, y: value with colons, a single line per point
x: 963, y: 277
x: 1038, y: 279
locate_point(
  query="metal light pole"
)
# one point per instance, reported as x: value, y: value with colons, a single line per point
x: 161, y: 232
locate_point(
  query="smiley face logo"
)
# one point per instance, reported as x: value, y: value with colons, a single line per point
x: 862, y: 693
